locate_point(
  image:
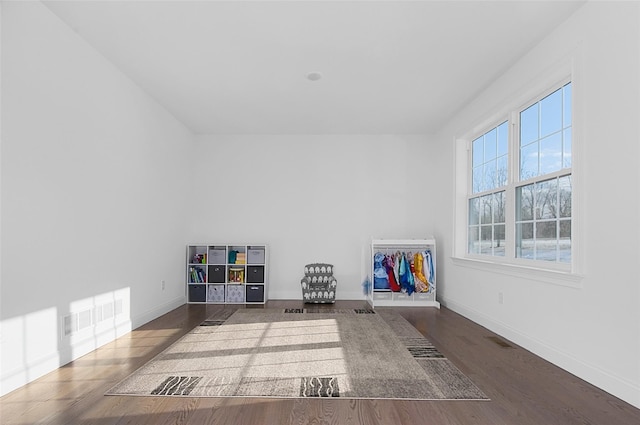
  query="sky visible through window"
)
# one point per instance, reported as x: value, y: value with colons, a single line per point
x: 490, y: 159
x: 545, y: 135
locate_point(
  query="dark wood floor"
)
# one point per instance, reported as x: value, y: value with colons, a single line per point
x: 524, y: 389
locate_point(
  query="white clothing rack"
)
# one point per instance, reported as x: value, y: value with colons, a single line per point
x: 385, y: 297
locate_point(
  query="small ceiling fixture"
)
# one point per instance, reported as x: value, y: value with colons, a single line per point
x: 314, y: 76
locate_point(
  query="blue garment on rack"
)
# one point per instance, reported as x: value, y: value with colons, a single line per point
x: 429, y: 267
x: 402, y: 272
x: 380, y: 278
x: 406, y: 276
x: 410, y: 284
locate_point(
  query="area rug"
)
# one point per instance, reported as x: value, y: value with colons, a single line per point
x: 296, y: 353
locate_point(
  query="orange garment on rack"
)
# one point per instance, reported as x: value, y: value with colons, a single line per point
x: 418, y: 263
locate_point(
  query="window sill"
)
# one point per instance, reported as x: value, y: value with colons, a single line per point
x: 555, y: 277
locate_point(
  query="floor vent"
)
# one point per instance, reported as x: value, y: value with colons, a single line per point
x: 501, y: 342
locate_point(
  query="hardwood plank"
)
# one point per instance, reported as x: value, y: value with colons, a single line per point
x: 524, y: 389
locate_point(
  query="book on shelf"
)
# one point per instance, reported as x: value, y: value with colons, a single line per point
x: 196, y: 275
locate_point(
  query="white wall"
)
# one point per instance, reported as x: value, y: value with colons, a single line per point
x: 592, y: 331
x: 94, y: 186
x: 310, y: 198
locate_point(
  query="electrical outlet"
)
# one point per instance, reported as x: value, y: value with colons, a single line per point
x: 162, y: 285
x: 500, y: 298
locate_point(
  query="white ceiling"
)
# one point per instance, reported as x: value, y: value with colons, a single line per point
x: 388, y: 67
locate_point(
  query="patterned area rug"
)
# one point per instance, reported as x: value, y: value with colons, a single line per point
x: 356, y: 353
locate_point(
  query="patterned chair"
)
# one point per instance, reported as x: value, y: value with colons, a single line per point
x: 318, y: 283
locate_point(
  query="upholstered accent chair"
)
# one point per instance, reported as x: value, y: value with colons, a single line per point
x: 318, y: 283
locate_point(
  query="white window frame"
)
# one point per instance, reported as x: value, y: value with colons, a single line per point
x: 552, y: 272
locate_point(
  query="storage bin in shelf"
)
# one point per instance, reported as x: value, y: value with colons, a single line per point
x: 255, y: 274
x: 216, y: 273
x: 385, y: 297
x: 217, y: 255
x: 197, y: 293
x: 235, y: 294
x: 215, y: 293
x: 382, y: 295
x: 402, y: 296
x: 255, y: 254
x: 254, y: 293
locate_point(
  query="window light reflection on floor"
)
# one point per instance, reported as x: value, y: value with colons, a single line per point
x: 264, y: 350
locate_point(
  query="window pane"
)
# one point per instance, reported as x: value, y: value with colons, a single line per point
x: 486, y: 239
x: 474, y: 211
x: 501, y: 172
x: 473, y: 240
x: 478, y: 152
x: 503, y: 139
x: 566, y: 149
x: 524, y: 240
x: 477, y: 184
x: 498, y: 207
x: 567, y: 116
x: 486, y: 215
x: 564, y: 249
x: 551, y: 153
x: 529, y: 125
x: 490, y: 142
x: 546, y: 241
x: 565, y: 229
x: 547, y: 199
x: 529, y: 161
x: 551, y: 113
x: 564, y: 196
x: 490, y: 175
x: 524, y: 203
x: 498, y: 235
x: 546, y: 230
x: 489, y: 171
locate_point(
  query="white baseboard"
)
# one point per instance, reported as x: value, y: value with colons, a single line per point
x: 617, y: 386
